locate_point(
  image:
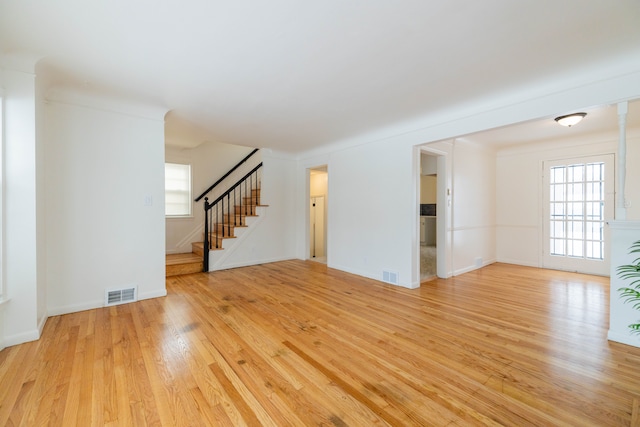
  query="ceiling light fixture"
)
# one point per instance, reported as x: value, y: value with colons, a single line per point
x: 570, y: 119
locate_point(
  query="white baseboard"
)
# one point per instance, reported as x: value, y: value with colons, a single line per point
x: 518, y: 262
x: 41, y: 324
x: 154, y: 294
x: 74, y: 308
x: 249, y: 263
x: 409, y: 285
x: 472, y: 267
x: 21, y: 338
x: 90, y: 305
x: 628, y: 339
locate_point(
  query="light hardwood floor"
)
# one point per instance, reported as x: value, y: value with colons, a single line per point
x: 296, y: 343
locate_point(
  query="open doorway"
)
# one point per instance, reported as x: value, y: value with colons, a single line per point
x: 428, y: 215
x: 318, y: 192
x: 432, y: 254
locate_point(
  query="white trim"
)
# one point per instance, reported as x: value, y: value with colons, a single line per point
x: 252, y: 262
x: 565, y: 262
x: 410, y: 285
x: 100, y: 101
x: 473, y: 267
x: 21, y: 338
x: 91, y: 305
x: 624, y: 225
x: 624, y: 339
x: 41, y: 323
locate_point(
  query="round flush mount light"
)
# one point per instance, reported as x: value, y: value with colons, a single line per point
x: 570, y: 119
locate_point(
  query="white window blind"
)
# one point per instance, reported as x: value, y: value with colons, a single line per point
x: 177, y: 188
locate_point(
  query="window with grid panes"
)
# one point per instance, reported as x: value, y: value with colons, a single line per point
x: 576, y: 197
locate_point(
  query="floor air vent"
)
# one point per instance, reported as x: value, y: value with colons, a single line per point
x: 390, y: 277
x: 120, y: 296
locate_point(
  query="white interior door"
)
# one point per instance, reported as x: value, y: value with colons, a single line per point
x: 578, y: 201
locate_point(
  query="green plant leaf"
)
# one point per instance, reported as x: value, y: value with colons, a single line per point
x: 631, y: 293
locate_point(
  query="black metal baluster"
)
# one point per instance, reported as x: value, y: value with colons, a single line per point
x: 205, y: 246
x: 255, y: 200
x: 217, y: 223
x: 229, y: 211
x: 213, y: 228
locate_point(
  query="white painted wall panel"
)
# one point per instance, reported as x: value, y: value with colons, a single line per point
x: 632, y: 183
x: 373, y: 203
x: 474, y: 206
x: 20, y: 240
x: 102, y: 166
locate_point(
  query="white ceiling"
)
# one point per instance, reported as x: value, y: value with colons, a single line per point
x: 292, y: 75
x: 601, y: 120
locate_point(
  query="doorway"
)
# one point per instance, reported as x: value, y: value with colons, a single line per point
x: 578, y: 202
x: 433, y: 160
x: 428, y: 215
x: 318, y: 192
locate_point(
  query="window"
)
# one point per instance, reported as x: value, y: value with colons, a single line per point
x: 579, y: 202
x: 177, y: 189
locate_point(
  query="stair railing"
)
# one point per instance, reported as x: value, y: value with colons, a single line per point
x: 224, y: 208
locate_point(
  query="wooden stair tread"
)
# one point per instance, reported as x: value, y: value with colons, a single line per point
x: 186, y: 263
x: 173, y: 259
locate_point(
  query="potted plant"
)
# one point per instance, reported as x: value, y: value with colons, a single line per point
x: 631, y: 293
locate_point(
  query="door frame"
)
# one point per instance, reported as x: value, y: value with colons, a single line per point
x: 307, y: 212
x: 443, y: 212
x: 601, y: 268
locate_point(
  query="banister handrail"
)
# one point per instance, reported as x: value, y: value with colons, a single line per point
x: 197, y: 199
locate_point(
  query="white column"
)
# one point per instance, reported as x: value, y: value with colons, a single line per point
x: 621, y: 204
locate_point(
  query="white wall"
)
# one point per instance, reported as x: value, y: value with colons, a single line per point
x: 473, y: 207
x: 23, y: 319
x: 632, y: 182
x: 209, y: 161
x: 102, y: 165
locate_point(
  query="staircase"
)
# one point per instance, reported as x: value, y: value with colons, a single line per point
x: 222, y: 234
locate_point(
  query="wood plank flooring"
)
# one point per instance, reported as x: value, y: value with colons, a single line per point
x: 298, y: 344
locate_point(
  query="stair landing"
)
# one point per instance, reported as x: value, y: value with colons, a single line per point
x: 188, y: 263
